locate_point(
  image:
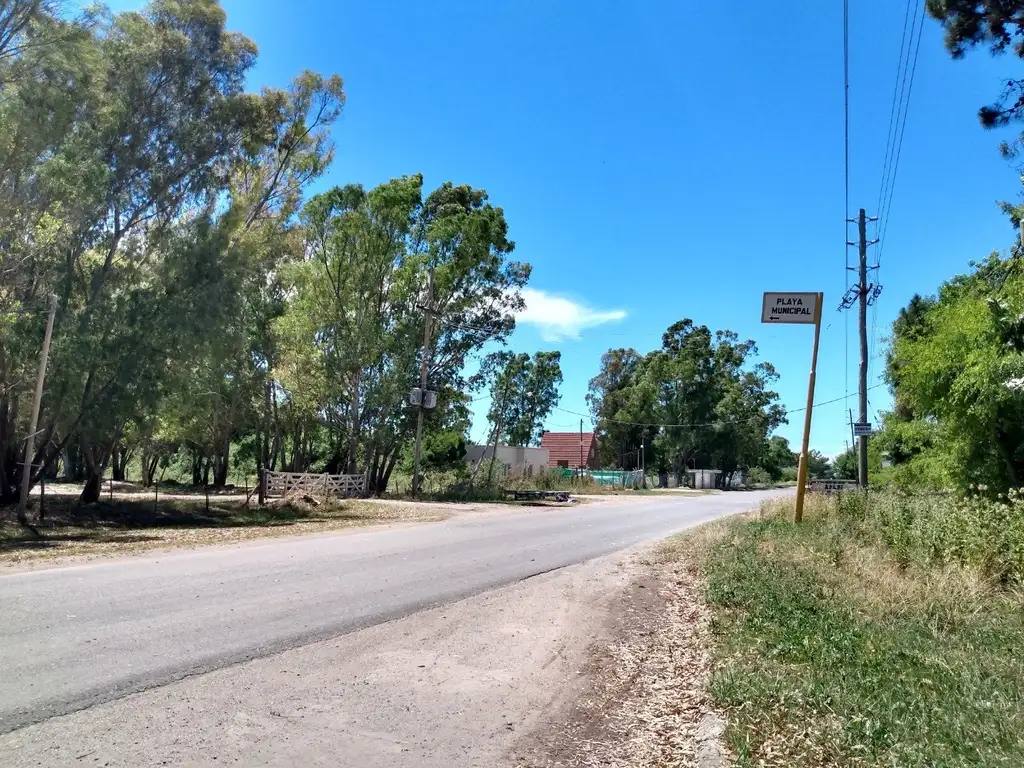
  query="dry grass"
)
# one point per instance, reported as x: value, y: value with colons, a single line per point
x: 130, y: 526
x: 668, y: 718
x: 830, y: 651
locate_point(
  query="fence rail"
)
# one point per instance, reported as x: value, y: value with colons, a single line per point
x: 284, y: 483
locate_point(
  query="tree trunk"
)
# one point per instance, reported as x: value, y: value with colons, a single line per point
x: 117, y: 462
x: 68, y: 457
x: 220, y: 465
x: 387, y: 473
x: 678, y: 471
x: 93, y: 486
x: 8, y: 449
x: 296, y: 449
x: 95, y: 460
x: 353, y: 437
x: 265, y: 447
x: 149, y: 462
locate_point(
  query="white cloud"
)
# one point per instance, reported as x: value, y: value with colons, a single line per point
x: 558, y: 318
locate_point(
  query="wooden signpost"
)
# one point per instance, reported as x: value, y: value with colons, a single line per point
x: 800, y: 309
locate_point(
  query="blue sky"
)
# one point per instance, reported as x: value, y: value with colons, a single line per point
x: 664, y: 159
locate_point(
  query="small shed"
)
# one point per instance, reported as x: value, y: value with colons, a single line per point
x: 704, y: 478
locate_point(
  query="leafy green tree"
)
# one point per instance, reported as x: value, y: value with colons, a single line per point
x: 205, y: 307
x: 845, y: 466
x: 355, y: 324
x: 703, y: 405
x: 999, y: 24
x: 962, y: 375
x: 776, y: 457
x: 125, y: 135
x: 818, y: 465
x: 524, y: 390
x: 614, y: 402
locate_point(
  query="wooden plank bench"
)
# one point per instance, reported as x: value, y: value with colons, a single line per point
x: 520, y: 495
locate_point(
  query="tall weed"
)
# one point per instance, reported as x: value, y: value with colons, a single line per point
x: 939, y: 529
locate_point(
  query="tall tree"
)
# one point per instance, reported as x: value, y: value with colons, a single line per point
x: 356, y: 322
x: 959, y: 377
x: 998, y: 24
x: 524, y: 390
x: 703, y: 403
x: 610, y: 396
x: 120, y: 159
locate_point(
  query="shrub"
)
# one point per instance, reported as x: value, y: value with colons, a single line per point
x: 941, y: 528
x: 758, y: 476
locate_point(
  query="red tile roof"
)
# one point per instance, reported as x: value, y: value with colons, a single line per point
x: 565, y: 447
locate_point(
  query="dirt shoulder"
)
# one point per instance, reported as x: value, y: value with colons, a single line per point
x: 126, y: 527
x: 644, y: 702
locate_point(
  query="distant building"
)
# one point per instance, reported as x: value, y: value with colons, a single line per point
x: 704, y: 478
x: 564, y: 449
x: 520, y: 461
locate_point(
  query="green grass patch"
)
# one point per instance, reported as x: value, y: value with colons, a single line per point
x: 833, y: 649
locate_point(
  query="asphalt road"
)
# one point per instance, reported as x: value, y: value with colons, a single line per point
x: 77, y: 636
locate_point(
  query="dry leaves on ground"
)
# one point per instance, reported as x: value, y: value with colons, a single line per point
x: 648, y: 705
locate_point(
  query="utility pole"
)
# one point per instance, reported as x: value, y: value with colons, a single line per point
x: 581, y: 447
x: 863, y: 294
x: 30, y: 442
x: 862, y: 444
x: 853, y: 440
x: 643, y: 464
x: 424, y: 363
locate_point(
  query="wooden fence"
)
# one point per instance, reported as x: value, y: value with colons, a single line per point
x: 284, y: 483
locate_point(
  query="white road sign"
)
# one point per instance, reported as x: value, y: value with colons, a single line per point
x: 861, y: 429
x: 789, y: 308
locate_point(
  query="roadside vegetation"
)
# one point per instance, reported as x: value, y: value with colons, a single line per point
x: 882, y: 631
x: 886, y: 629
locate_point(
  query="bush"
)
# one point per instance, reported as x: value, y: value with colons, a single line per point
x: 942, y: 529
x: 831, y: 652
x: 758, y: 476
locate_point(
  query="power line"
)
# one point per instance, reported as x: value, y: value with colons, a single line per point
x: 908, y: 85
x: 459, y: 326
x: 846, y: 204
x: 708, y: 423
x: 893, y: 111
x: 903, y: 85
x: 846, y: 127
